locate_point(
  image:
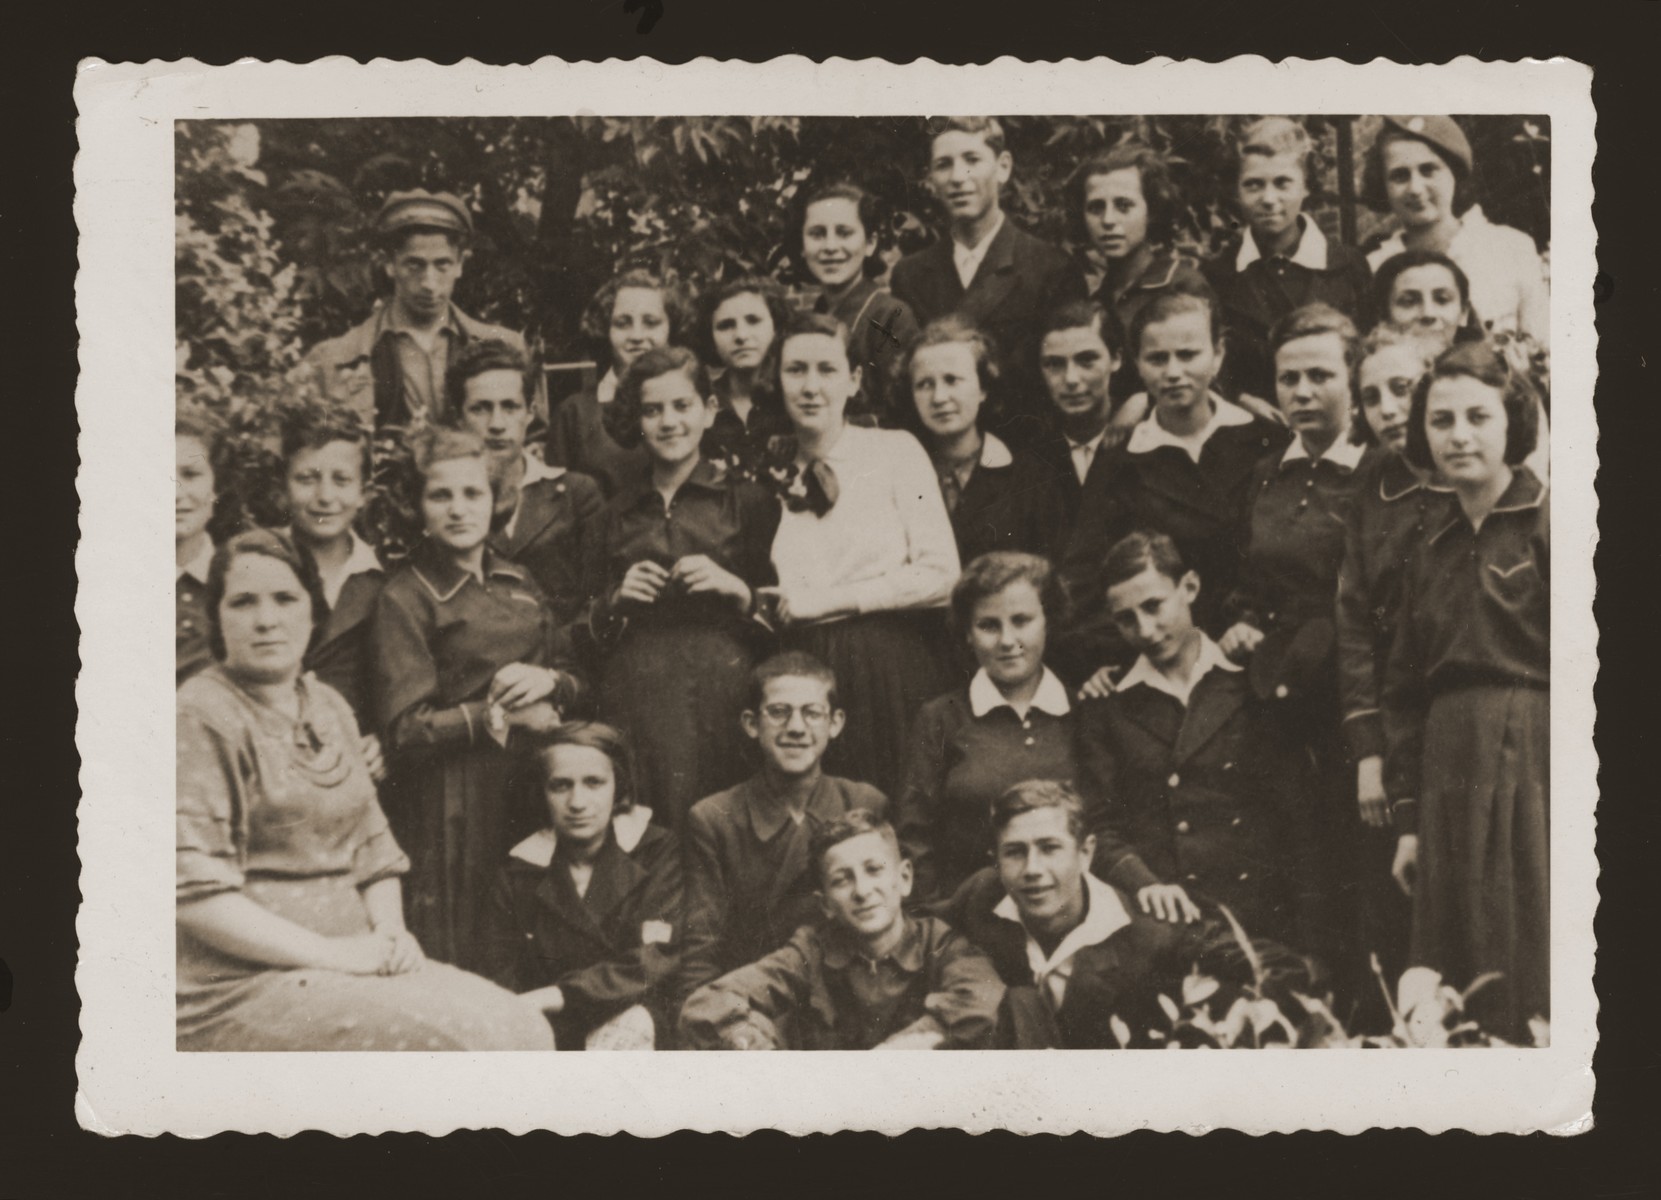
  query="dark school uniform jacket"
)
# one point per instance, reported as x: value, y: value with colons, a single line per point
x: 1255, y: 292
x: 749, y: 884
x: 1121, y: 975
x: 1018, y: 283
x: 340, y: 653
x: 190, y: 604
x: 1394, y: 511
x: 1168, y: 270
x: 1151, y: 485
x: 1476, y: 611
x: 819, y: 992
x: 548, y: 535
x: 579, y: 441
x: 1011, y: 502
x: 881, y: 328
x: 1206, y: 795
x: 607, y: 950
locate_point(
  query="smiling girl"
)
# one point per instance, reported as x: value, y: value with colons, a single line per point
x: 998, y: 499
x: 467, y: 656
x: 1419, y: 169
x: 1011, y: 723
x: 737, y: 322
x: 1467, y: 700
x: 838, y: 230
x: 633, y: 313
x: 584, y: 920
x: 678, y: 558
x: 864, y: 551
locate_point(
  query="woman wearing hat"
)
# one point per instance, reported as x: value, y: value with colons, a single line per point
x: 1419, y: 168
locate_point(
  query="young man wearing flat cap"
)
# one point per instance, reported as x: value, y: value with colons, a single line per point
x: 391, y: 368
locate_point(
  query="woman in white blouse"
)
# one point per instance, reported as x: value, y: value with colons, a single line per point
x: 1419, y: 169
x: 864, y: 551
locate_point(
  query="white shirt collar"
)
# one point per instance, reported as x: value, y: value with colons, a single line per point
x: 1149, y: 434
x: 984, y: 695
x: 1311, y: 251
x: 1342, y: 452
x: 993, y: 452
x: 1105, y: 918
x: 606, y: 390
x: 1144, y: 672
x: 627, y: 827
x: 967, y: 259
x: 361, y: 559
x: 197, y: 567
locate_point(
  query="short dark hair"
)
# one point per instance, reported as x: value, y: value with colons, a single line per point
x: 871, y: 216
x: 313, y: 426
x: 988, y: 129
x: 790, y: 664
x: 622, y: 416
x: 1373, y: 192
x: 477, y: 356
x: 1174, y: 302
x: 1482, y: 362
x: 1137, y: 552
x: 433, y: 444
x: 1392, y: 268
x: 955, y: 328
x: 703, y: 333
x: 1313, y: 320
x: 991, y: 573
x: 854, y: 823
x: 1159, y: 188
x: 769, y: 388
x: 1381, y: 337
x: 595, y: 325
x: 1033, y: 794
x: 595, y: 735
x: 272, y: 544
x: 1087, y: 314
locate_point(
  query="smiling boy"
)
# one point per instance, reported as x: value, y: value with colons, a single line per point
x: 999, y: 276
x: 868, y: 978
x: 749, y: 878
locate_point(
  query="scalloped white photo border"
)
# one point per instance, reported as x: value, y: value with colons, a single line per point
x: 131, y: 1080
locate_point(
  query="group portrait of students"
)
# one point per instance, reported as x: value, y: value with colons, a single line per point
x: 952, y: 661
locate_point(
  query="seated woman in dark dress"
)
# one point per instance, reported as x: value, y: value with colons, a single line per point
x: 290, y: 917
x: 737, y: 322
x: 633, y: 313
x: 1011, y: 723
x: 998, y: 499
x: 584, y: 919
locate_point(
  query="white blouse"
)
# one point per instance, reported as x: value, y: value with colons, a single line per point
x: 887, y: 542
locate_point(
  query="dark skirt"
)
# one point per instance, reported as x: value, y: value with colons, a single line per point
x: 456, y: 815
x: 1482, y: 901
x: 888, y: 665
x: 678, y: 691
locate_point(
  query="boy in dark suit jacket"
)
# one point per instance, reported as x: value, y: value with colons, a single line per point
x: 1000, y: 277
x: 868, y: 977
x: 1194, y: 791
x: 750, y: 883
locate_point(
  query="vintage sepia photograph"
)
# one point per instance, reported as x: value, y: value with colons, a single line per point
x: 1008, y: 580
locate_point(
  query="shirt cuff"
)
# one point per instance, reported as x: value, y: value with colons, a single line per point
x: 1406, y: 814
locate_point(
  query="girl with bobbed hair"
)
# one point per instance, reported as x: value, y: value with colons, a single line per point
x: 199, y: 461
x: 468, y: 662
x: 838, y: 225
x: 1419, y: 169
x: 1426, y: 294
x: 998, y: 499
x: 1128, y: 206
x: 291, y: 931
x: 1466, y: 695
x: 1012, y: 722
x: 737, y: 323
x: 584, y: 920
x: 632, y: 313
x: 679, y: 556
x: 864, y: 552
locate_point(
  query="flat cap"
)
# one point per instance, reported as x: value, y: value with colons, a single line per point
x: 1441, y: 132
x: 421, y: 209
